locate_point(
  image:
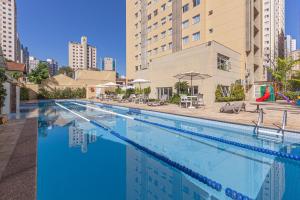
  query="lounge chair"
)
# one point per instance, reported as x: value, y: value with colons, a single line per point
x: 233, y: 108
x: 161, y: 102
x: 132, y: 98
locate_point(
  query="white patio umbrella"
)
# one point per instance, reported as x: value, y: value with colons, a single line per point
x: 191, y: 75
x: 111, y: 84
x: 140, y: 81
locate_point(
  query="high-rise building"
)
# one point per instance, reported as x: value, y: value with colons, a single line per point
x: 290, y: 45
x: 82, y: 55
x: 33, y: 63
x: 166, y: 37
x: 295, y: 55
x: 53, y: 66
x: 8, y: 29
x: 273, y: 30
x: 108, y: 64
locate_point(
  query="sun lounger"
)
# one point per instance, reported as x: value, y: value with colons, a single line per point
x: 161, y: 102
x: 233, y: 108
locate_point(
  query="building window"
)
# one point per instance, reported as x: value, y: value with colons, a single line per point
x: 163, y: 21
x: 210, y: 12
x: 225, y: 90
x: 196, y: 36
x: 185, y: 8
x: 149, y: 17
x: 163, y: 34
x: 170, y: 45
x: 155, y: 12
x: 165, y: 92
x: 196, y: 19
x: 185, y: 40
x: 163, y: 7
x: 211, y: 30
x: 223, y: 62
x: 196, y: 3
x: 185, y: 24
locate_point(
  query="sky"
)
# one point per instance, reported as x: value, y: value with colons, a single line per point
x: 46, y: 27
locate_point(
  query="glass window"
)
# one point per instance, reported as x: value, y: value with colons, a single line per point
x: 185, y: 8
x: 185, y: 24
x: 164, y: 92
x: 196, y: 3
x: 185, y: 40
x: 223, y: 62
x: 196, y: 19
x: 196, y: 36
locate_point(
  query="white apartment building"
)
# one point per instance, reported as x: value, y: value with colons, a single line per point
x: 295, y: 55
x: 33, y: 63
x: 273, y: 30
x: 290, y: 45
x: 53, y: 66
x: 108, y: 64
x: 82, y: 55
x: 8, y: 29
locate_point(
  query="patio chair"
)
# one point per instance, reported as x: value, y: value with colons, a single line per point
x: 200, y: 101
x: 184, y: 100
x: 233, y: 108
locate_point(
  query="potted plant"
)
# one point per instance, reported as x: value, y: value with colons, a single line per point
x: 3, y: 118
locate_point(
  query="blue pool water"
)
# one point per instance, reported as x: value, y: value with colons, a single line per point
x: 80, y: 160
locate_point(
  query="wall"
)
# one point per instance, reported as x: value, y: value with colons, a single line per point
x: 201, y: 59
x: 89, y: 77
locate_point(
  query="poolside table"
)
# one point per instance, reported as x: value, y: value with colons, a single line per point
x: 192, y: 99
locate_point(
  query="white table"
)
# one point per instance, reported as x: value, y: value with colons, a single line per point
x: 192, y: 99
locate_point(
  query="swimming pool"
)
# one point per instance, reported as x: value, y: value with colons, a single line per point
x: 97, y: 151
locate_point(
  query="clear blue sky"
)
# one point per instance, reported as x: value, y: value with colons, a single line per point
x: 46, y: 26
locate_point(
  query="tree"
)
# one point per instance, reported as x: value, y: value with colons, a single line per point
x: 3, y: 78
x: 17, y: 75
x: 282, y: 70
x: 182, y: 87
x: 68, y: 71
x: 39, y: 74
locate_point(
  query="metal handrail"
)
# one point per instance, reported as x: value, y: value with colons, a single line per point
x: 260, y: 120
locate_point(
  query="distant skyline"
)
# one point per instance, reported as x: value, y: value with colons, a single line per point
x: 47, y: 26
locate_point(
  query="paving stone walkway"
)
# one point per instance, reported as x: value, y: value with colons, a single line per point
x: 18, y: 147
x: 272, y: 117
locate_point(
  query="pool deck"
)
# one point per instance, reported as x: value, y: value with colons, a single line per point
x: 273, y: 113
x: 18, y: 164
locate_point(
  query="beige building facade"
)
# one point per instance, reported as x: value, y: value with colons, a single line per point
x: 295, y: 55
x: 82, y: 55
x: 8, y: 29
x: 160, y: 33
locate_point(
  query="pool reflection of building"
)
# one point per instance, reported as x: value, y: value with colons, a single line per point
x: 147, y: 178
x: 81, y: 137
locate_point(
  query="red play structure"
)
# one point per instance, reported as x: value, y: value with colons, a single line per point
x: 266, y: 95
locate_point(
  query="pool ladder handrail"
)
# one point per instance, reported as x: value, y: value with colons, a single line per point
x: 280, y: 130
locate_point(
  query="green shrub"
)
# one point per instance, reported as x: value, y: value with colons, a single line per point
x: 292, y: 95
x: 2, y: 89
x: 66, y: 93
x: 129, y: 92
x: 24, y: 94
x: 237, y: 93
x: 175, y: 99
x: 294, y: 85
x: 147, y: 91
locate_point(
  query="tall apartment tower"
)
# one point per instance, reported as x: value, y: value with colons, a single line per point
x: 273, y: 31
x: 8, y: 29
x: 160, y: 28
x: 82, y: 55
x: 53, y: 66
x: 290, y: 45
x: 108, y: 64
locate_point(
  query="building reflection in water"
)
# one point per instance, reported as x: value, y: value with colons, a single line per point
x: 81, y: 137
x: 148, y: 178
